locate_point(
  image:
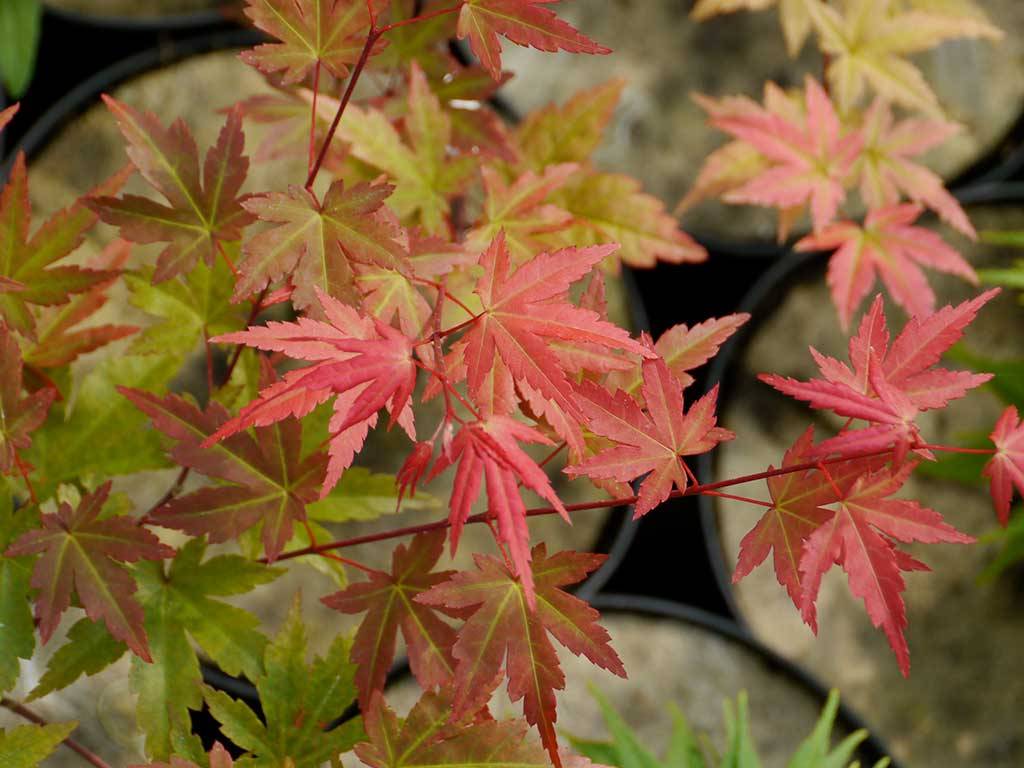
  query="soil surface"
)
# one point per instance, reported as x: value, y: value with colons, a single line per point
x: 960, y: 704
x: 659, y: 134
x: 668, y: 662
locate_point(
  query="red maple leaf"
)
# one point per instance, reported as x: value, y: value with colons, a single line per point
x: 798, y: 509
x: 651, y: 441
x: 268, y: 481
x: 810, y: 155
x: 1006, y: 468
x: 20, y: 414
x: 389, y: 600
x: 311, y: 32
x: 524, y: 22
x: 503, y: 628
x: 527, y: 309
x: 363, y: 363
x: 489, y: 449
x: 84, y: 554
x: 316, y: 244
x: 203, y: 211
x: 888, y: 386
x: 859, y: 538
x: 888, y: 244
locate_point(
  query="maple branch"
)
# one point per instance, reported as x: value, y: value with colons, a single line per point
x: 449, y: 388
x: 20, y: 709
x: 483, y: 517
x: 956, y: 449
x: 448, y: 331
x: 312, y: 118
x: 424, y: 17
x: 734, y: 497
x: 440, y: 287
x: 371, y: 39
x: 257, y: 305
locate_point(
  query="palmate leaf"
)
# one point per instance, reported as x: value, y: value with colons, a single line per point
x: 800, y: 502
x: 886, y: 385
x: 271, y: 481
x: 299, y: 700
x: 17, y: 631
x: 889, y: 245
x: 202, y: 212
x: 31, y: 262
x: 652, y: 441
x: 178, y: 600
x: 423, y: 172
x: 867, y: 43
x: 362, y: 363
x: 365, y: 495
x: 317, y: 244
x: 503, y: 628
x: 809, y: 152
x: 84, y: 553
x: 427, y: 738
x: 524, y: 22
x: 1006, y: 468
x: 389, y: 601
x: 310, y: 32
x: 89, y: 648
x: 20, y: 413
x: 859, y: 537
x: 28, y: 745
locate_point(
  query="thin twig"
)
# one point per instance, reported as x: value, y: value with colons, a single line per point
x: 86, y: 754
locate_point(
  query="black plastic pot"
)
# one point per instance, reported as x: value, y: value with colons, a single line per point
x: 183, y: 21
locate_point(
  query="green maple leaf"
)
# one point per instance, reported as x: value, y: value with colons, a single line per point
x: 28, y: 745
x: 185, y: 308
x: 30, y: 261
x: 427, y: 738
x: 17, y: 632
x: 178, y: 600
x: 423, y: 172
x: 88, y: 649
x: 299, y: 700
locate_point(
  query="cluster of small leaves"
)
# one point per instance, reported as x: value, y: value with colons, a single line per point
x: 624, y: 749
x: 863, y: 129
x: 430, y: 254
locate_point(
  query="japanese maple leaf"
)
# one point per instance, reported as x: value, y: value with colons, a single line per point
x: 683, y: 348
x: 1006, y: 469
x: 288, y: 116
x: 59, y: 339
x: 363, y: 363
x: 652, y: 441
x: 887, y: 244
x: 489, y: 450
x: 859, y: 538
x: 83, y: 553
x: 316, y: 244
x: 886, y: 171
x: 421, y: 166
x: 867, y: 44
x: 389, y: 600
x: 30, y: 263
x: 6, y: 115
x: 810, y: 154
x: 202, y: 212
x: 888, y: 386
x: 330, y: 33
x: 266, y: 479
x: 503, y: 628
x: 427, y: 737
x: 796, y: 23
x: 799, y: 501
x: 521, y: 210
x: 524, y: 22
x: 524, y: 310
x: 20, y: 413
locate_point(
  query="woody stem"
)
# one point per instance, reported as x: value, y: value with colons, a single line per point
x: 20, y: 709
